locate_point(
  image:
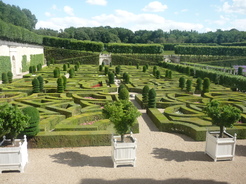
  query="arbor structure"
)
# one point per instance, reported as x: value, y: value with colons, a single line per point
x: 122, y: 114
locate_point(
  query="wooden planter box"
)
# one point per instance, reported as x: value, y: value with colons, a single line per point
x: 13, y: 157
x: 124, y: 153
x: 220, y: 148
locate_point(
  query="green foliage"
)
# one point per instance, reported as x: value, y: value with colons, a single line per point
x: 56, y: 72
x: 199, y: 84
x: 182, y: 82
x: 144, y: 68
x: 10, y: 76
x: 41, y: 82
x: 145, y: 93
x: 24, y: 63
x: 64, y: 67
x: 117, y: 69
x: 240, y: 71
x: 106, y: 70
x: 35, y: 85
x: 33, y: 127
x: 126, y: 78
x: 111, y: 78
x: 124, y: 94
x: 137, y: 65
x: 206, y: 85
x: 222, y: 115
x: 36, y: 59
x: 152, y: 98
x: 121, y: 87
x: 188, y: 85
x: 5, y: 78
x: 100, y: 68
x: 158, y: 74
x: 122, y: 114
x: 5, y: 63
x: 60, y: 85
x: 64, y: 78
x: 12, y: 121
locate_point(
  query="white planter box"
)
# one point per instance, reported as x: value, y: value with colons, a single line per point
x: 13, y: 158
x: 220, y: 148
x: 124, y: 153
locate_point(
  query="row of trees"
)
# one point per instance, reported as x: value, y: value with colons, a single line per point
x: 108, y: 34
x: 210, y: 50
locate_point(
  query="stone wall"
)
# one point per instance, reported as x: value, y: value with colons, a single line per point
x: 16, y: 50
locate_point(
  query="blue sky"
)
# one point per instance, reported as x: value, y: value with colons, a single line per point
x: 199, y: 15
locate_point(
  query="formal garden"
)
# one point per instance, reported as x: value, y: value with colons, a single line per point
x: 70, y: 95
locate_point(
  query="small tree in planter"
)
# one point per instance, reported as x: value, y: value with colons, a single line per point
x: 222, y: 115
x: 223, y: 146
x: 12, y: 121
x: 122, y: 114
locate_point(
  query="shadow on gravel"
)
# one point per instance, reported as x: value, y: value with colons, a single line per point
x: 240, y: 150
x: 75, y: 159
x: 148, y: 181
x: 180, y: 156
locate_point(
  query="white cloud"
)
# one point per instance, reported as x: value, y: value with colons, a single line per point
x: 239, y: 24
x: 238, y: 6
x: 48, y: 14
x: 97, y: 2
x: 155, y: 6
x: 68, y: 10
x: 120, y: 18
x: 54, y: 7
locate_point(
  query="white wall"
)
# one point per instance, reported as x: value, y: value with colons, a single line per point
x: 16, y: 51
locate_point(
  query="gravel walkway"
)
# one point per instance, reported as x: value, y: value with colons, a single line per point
x: 161, y: 158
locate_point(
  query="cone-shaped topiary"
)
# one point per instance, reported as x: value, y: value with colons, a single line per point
x: 10, y: 76
x: 124, y: 94
x: 56, y: 72
x: 100, y: 68
x: 60, y: 85
x: 105, y: 70
x: 33, y: 127
x: 152, y: 100
x: 182, y: 82
x: 64, y: 78
x: 205, y: 86
x: 121, y: 87
x: 144, y: 68
x: 41, y: 82
x: 35, y: 85
x: 188, y: 85
x: 198, y: 85
x: 145, y: 93
x: 127, y: 78
x: 111, y: 78
x: 157, y: 74
x: 5, y: 78
x: 64, y: 67
x: 71, y: 73
x: 240, y: 71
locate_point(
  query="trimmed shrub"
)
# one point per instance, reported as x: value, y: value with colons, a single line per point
x: 33, y: 127
x: 188, y: 85
x: 121, y: 87
x: 206, y: 85
x: 35, y: 85
x: 240, y: 71
x: 124, y: 94
x: 158, y: 74
x: 127, y: 78
x: 64, y: 78
x: 111, y: 78
x: 56, y: 72
x: 182, y: 82
x: 60, y: 85
x: 106, y: 70
x: 145, y: 93
x: 10, y: 76
x: 64, y: 67
x: 144, y: 68
x: 117, y: 69
x: 41, y: 82
x: 198, y: 85
x: 152, y: 100
x: 5, y: 78
x: 71, y: 73
x: 100, y: 68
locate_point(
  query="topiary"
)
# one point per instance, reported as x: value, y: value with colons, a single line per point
x: 188, y: 85
x: 35, y: 85
x: 56, y: 72
x: 60, y: 85
x: 105, y: 70
x: 71, y: 73
x: 144, y: 68
x: 121, y: 87
x: 64, y: 67
x: 182, y: 82
x: 145, y: 93
x: 100, y: 68
x: 206, y: 86
x: 152, y: 100
x: 5, y: 78
x: 111, y: 78
x: 124, y: 94
x: 64, y: 78
x: 10, y: 76
x: 33, y: 127
x: 157, y: 74
x: 198, y: 85
x: 41, y: 82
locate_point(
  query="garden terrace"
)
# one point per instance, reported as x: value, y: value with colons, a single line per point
x: 75, y: 115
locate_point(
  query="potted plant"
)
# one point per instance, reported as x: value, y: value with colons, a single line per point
x: 220, y: 144
x: 122, y: 114
x: 13, y: 152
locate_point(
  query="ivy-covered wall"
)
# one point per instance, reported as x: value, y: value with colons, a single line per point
x: 5, y: 65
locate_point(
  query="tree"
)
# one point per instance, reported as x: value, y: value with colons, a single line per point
x: 64, y: 67
x: 56, y: 72
x: 121, y: 87
x: 12, y: 121
x: 127, y: 78
x: 33, y: 128
x: 182, y: 82
x: 240, y: 71
x: 157, y: 74
x: 106, y: 70
x: 198, y: 85
x: 100, y: 68
x: 10, y: 76
x: 71, y: 73
x: 35, y: 85
x: 154, y: 70
x: 145, y: 93
x: 5, y: 78
x: 152, y: 100
x: 222, y: 115
x: 64, y: 78
x: 124, y: 94
x: 144, y: 68
x: 122, y: 114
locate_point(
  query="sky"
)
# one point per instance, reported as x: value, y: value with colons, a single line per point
x: 197, y: 15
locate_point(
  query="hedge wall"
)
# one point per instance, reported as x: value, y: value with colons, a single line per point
x: 5, y: 65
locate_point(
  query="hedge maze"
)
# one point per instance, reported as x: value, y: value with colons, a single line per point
x: 74, y: 117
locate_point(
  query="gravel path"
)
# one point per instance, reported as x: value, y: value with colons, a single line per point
x: 161, y: 158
